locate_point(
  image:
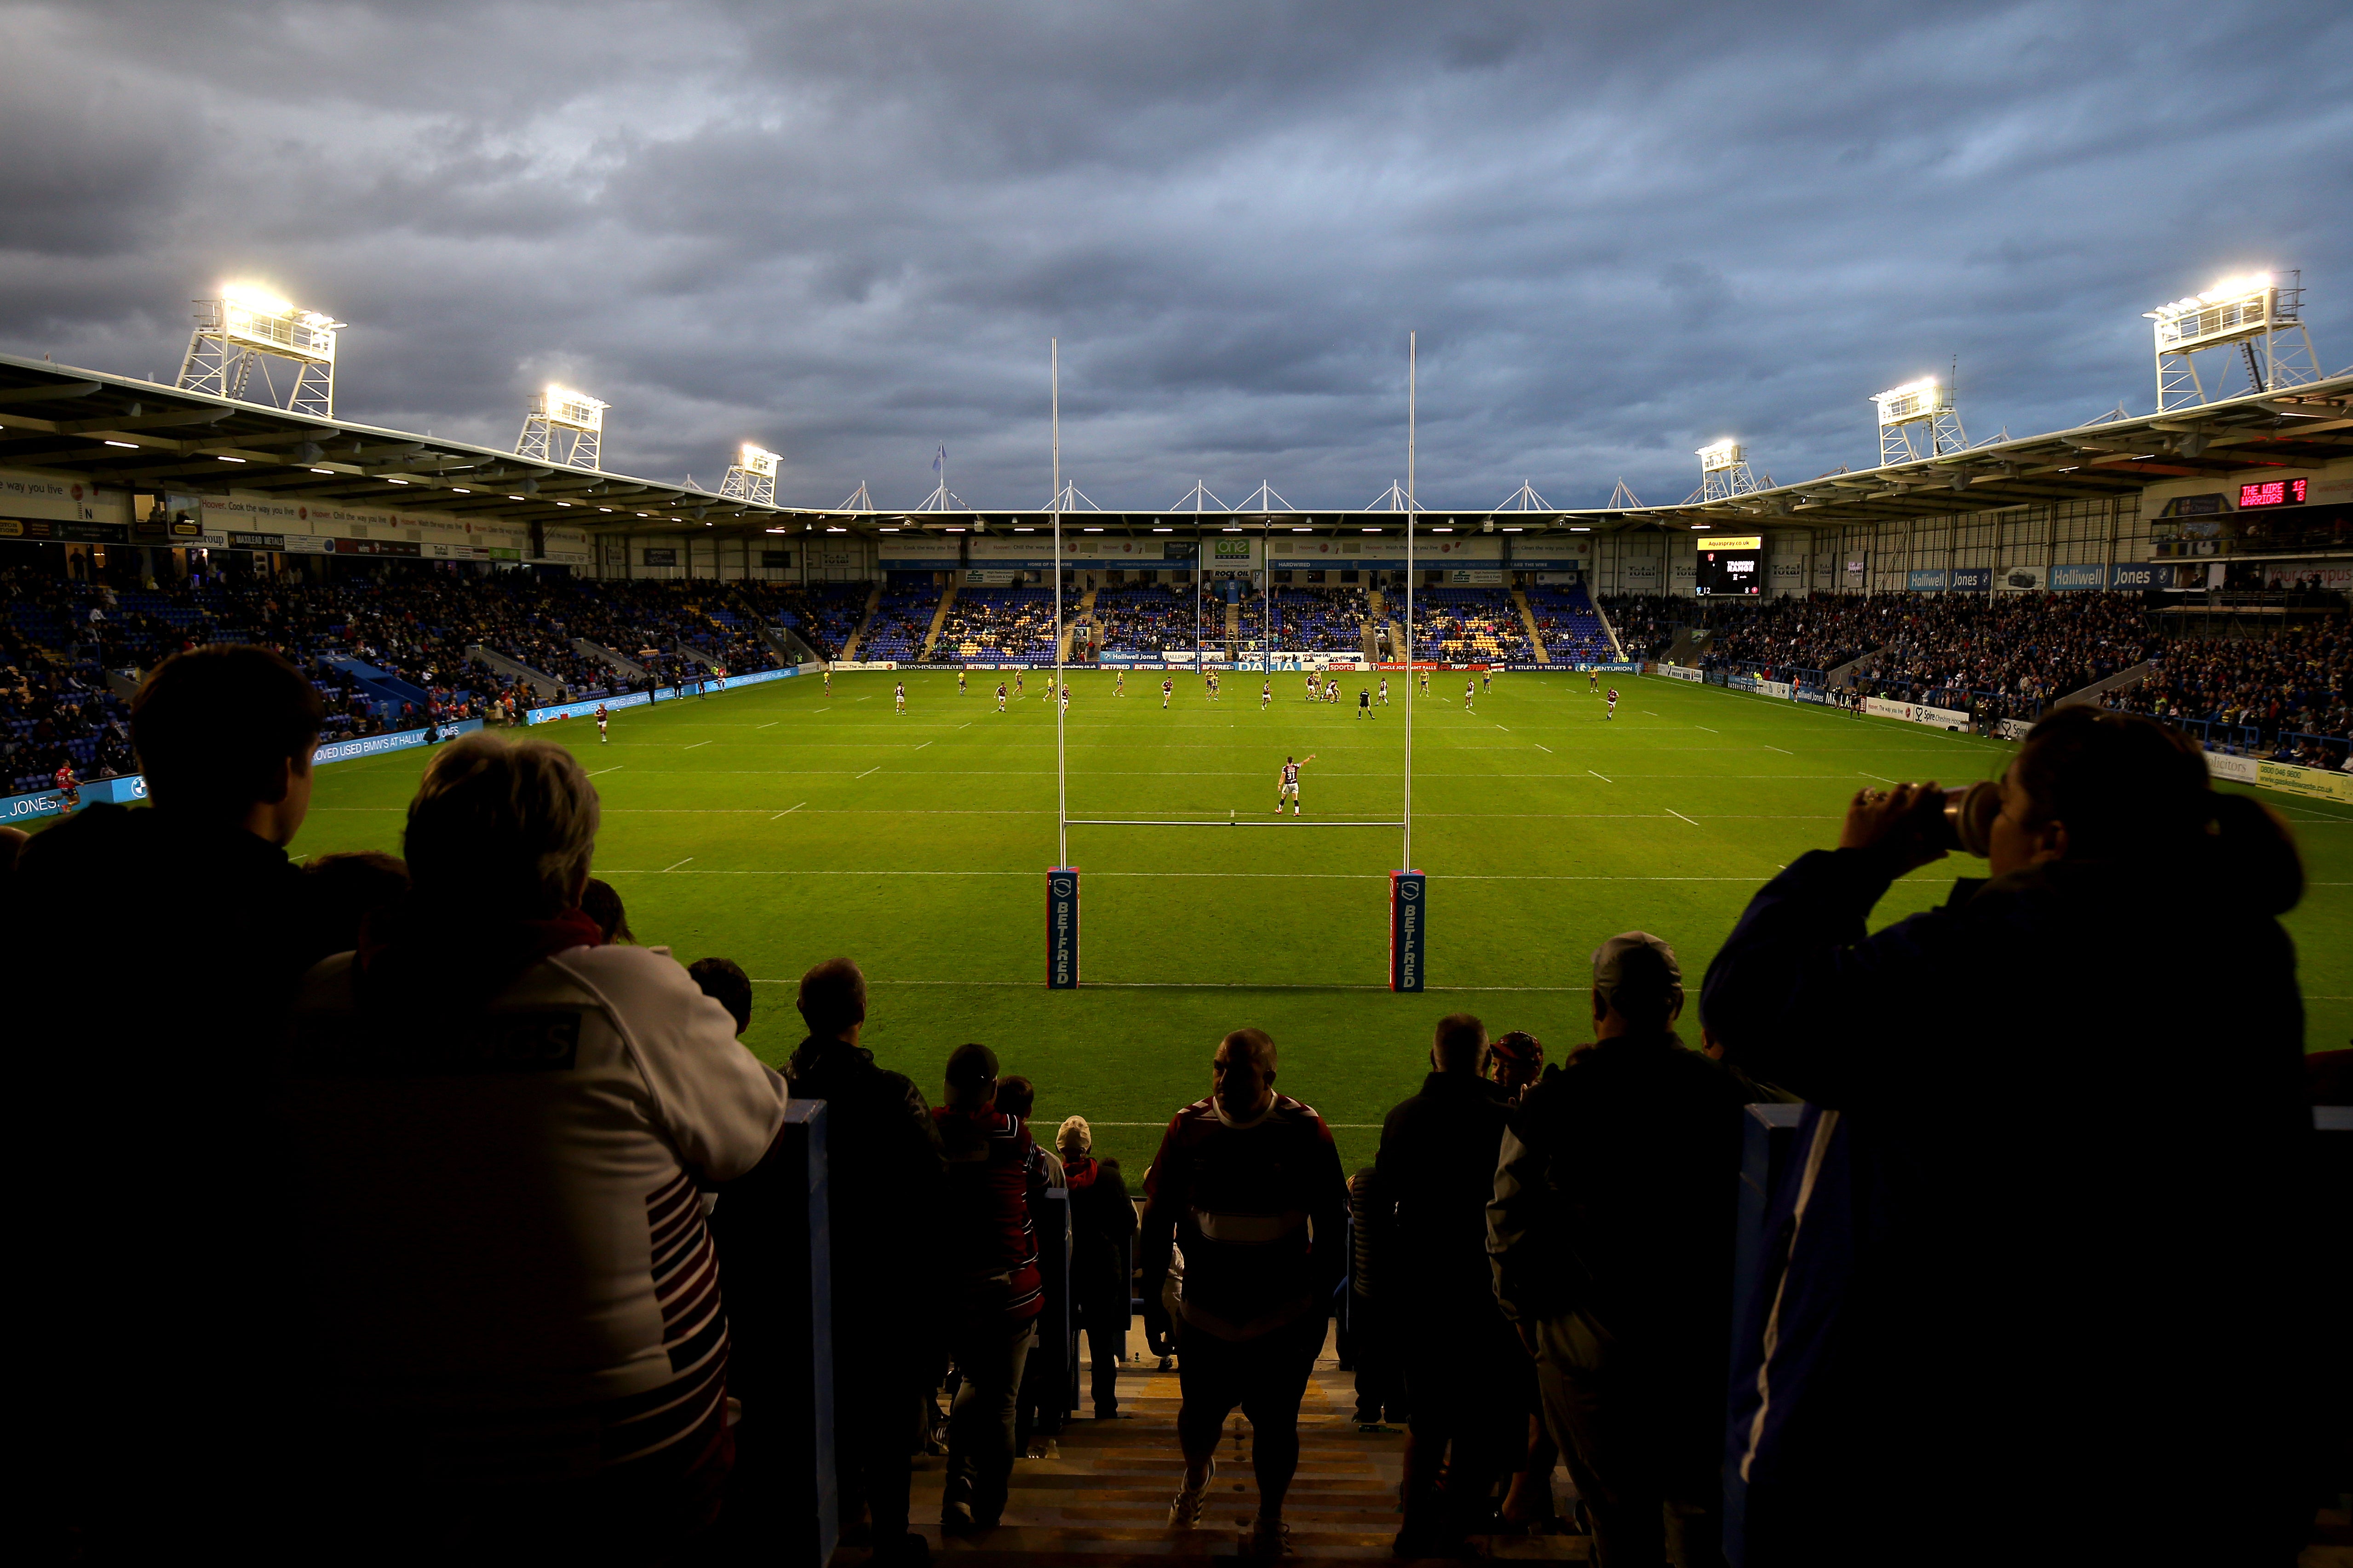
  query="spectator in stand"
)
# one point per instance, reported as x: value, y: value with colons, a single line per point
x: 174, y: 1260
x: 498, y: 1129
x: 723, y: 981
x: 994, y: 1291
x: 601, y: 902
x: 1463, y: 1368
x: 1102, y: 1225
x: 2020, y: 1269
x: 345, y: 889
x: 1609, y: 1228
x: 1515, y: 1061
x: 1248, y: 1185
x: 885, y: 1185
x: 1039, y: 1412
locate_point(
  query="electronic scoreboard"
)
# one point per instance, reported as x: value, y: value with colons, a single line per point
x: 1730, y: 563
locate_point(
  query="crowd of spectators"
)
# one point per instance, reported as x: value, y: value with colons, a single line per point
x: 999, y: 624
x: 1815, y: 632
x: 1646, y: 624
x: 1146, y: 617
x: 903, y: 619
x: 2289, y: 689
x: 1476, y: 625
x: 1320, y: 620
x: 529, y: 1181
x: 1568, y: 625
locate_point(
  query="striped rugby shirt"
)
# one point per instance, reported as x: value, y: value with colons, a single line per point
x: 505, y: 1238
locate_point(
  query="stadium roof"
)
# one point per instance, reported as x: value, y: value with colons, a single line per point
x: 132, y: 435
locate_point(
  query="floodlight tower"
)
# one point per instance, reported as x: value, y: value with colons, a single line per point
x: 753, y: 477
x: 245, y: 327
x: 1925, y: 405
x: 1724, y: 471
x: 2246, y: 311
x: 564, y: 428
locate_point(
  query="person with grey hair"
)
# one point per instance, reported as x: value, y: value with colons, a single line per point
x: 1102, y: 1224
x: 1609, y: 1236
x: 498, y: 1127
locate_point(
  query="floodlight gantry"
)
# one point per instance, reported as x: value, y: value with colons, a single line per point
x: 245, y: 327
x: 2254, y: 313
x: 564, y: 428
x: 1925, y: 405
x: 753, y: 476
x: 1724, y: 471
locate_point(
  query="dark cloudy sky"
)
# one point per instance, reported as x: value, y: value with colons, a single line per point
x: 848, y: 230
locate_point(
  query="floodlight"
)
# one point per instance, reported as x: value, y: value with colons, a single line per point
x: 758, y: 460
x: 1720, y: 456
x: 241, y: 323
x: 1913, y: 401
x: 572, y: 410
x: 2252, y: 310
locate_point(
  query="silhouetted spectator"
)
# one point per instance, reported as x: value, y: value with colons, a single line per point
x: 995, y: 1293
x: 501, y: 1125
x: 1465, y: 1369
x: 601, y: 902
x: 1248, y: 1185
x: 723, y: 981
x: 1102, y: 1226
x: 346, y: 888
x: 1610, y: 1230
x: 174, y: 1252
x: 2019, y: 1266
x: 884, y: 1187
x: 1044, y: 1398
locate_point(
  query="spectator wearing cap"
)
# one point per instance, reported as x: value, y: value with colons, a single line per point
x: 1102, y: 1226
x: 995, y: 1290
x: 885, y: 1182
x: 1431, y: 1181
x: 1608, y: 1231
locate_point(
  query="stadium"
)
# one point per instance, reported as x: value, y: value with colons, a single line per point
x: 440, y: 815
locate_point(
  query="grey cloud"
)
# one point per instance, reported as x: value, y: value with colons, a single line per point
x: 847, y: 230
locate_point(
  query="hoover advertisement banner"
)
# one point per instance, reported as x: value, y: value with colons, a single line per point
x: 1409, y: 918
x: 1062, y: 929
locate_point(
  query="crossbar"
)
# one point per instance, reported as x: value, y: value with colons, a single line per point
x: 1212, y: 822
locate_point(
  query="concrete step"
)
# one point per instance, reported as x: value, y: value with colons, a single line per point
x: 1102, y: 1499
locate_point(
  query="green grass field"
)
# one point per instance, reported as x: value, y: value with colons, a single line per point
x: 778, y: 826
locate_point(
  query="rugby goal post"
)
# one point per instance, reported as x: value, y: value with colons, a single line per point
x: 1408, y: 888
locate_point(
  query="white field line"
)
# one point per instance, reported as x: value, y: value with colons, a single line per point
x: 616, y: 768
x: 699, y: 743
x: 925, y: 743
x: 769, y: 725
x: 1710, y: 731
x: 788, y: 811
x: 1882, y: 778
x: 673, y: 868
x: 1783, y: 750
x: 1540, y: 746
x: 875, y: 769
x: 1672, y: 811
x: 1596, y: 775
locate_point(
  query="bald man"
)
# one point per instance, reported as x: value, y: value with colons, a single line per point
x: 1248, y: 1182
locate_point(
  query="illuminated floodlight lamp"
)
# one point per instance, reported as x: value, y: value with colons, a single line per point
x: 2252, y: 313
x: 564, y: 428
x: 752, y: 476
x: 1918, y: 420
x: 1724, y: 471
x: 246, y: 326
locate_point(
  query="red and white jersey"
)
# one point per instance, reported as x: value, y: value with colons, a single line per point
x: 1290, y: 775
x: 1613, y: 694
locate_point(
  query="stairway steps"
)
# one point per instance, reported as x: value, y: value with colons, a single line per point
x: 1102, y: 1499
